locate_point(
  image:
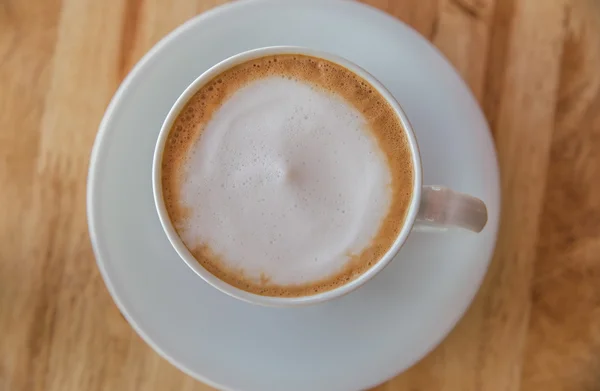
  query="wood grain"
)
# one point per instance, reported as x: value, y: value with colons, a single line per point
x: 534, y: 66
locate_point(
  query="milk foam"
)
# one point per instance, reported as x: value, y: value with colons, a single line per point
x: 286, y: 182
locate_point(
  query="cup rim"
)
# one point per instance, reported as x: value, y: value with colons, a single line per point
x: 275, y: 301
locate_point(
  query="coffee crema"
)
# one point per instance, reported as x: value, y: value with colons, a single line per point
x: 287, y: 175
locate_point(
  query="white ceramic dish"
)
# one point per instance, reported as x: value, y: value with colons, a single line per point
x: 350, y: 343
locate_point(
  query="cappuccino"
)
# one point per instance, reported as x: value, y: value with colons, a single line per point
x: 287, y: 175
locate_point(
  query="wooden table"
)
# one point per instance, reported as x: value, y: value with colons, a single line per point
x: 534, y: 65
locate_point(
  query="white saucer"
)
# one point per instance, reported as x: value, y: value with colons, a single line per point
x: 353, y: 342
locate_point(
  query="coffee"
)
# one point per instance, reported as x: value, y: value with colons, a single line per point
x: 287, y: 175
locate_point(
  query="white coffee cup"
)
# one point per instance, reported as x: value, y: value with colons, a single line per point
x: 431, y: 207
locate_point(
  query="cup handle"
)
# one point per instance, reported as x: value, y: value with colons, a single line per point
x: 442, y: 208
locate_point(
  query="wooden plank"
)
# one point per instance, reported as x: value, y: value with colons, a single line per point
x: 523, y: 131
x: 564, y: 333
x: 62, y: 335
x: 463, y: 34
x: 27, y: 41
